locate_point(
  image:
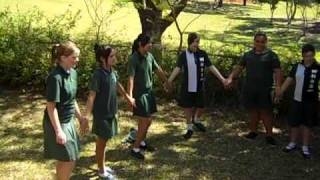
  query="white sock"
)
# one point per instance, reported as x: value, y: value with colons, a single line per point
x: 190, y: 127
x: 291, y: 145
x: 305, y: 149
x: 136, y: 150
x: 143, y: 143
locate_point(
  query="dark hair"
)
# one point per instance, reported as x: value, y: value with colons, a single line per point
x: 142, y: 39
x: 64, y: 49
x: 103, y: 51
x: 308, y: 48
x: 260, y: 33
x: 191, y: 37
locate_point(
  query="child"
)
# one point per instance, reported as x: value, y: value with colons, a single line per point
x: 102, y: 102
x: 140, y: 69
x: 303, y: 116
x: 60, y: 137
x: 192, y: 63
x: 261, y: 64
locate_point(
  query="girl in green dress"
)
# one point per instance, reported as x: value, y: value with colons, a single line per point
x: 141, y: 66
x: 60, y: 137
x: 102, y: 102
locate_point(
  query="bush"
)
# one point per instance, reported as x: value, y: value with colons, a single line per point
x: 26, y: 39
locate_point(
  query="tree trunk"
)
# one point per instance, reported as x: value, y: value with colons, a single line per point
x: 244, y: 2
x: 153, y: 24
x: 220, y: 3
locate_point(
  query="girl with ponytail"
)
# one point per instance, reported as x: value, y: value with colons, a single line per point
x: 140, y: 70
x: 102, y: 102
x: 60, y: 137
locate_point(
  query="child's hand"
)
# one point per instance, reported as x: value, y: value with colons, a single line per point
x: 228, y: 83
x: 61, y: 137
x: 168, y: 86
x: 132, y: 102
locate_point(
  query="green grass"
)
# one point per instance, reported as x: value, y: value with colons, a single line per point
x: 220, y: 153
x: 231, y: 24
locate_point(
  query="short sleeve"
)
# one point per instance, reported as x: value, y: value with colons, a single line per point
x: 293, y: 71
x: 116, y: 75
x: 179, y: 62
x: 275, y: 61
x: 243, y: 61
x: 132, y: 66
x: 155, y: 65
x: 207, y: 61
x: 53, y: 89
x: 94, y: 84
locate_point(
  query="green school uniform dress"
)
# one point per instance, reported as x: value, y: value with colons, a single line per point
x: 141, y: 68
x: 61, y: 89
x: 259, y: 78
x: 105, y: 107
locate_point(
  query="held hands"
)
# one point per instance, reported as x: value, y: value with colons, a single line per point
x: 132, y: 102
x: 227, y: 83
x: 278, y: 95
x: 168, y: 87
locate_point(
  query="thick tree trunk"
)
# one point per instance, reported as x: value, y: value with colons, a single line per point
x: 154, y: 24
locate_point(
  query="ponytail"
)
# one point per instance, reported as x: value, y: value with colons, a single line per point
x: 142, y: 39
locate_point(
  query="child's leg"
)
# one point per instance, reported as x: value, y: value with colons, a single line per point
x: 267, y: 118
x: 64, y: 169
x: 305, y: 135
x: 143, y: 126
x: 294, y: 132
x: 100, y: 153
x: 198, y: 113
x: 189, y: 114
x: 254, y: 120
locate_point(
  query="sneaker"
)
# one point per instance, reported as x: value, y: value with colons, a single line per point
x: 288, y: 149
x: 200, y: 126
x: 106, y: 175
x: 147, y: 148
x: 306, y: 155
x: 251, y: 135
x: 109, y: 170
x: 137, y: 155
x: 271, y: 141
x: 188, y: 134
x: 131, y: 137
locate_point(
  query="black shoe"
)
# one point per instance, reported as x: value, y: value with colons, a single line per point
x: 271, y: 141
x: 137, y: 155
x: 306, y: 155
x: 200, y: 126
x: 188, y: 134
x: 147, y: 148
x: 251, y: 135
x: 287, y: 150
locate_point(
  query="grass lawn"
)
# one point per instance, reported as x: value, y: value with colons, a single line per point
x: 220, y: 153
x: 233, y: 24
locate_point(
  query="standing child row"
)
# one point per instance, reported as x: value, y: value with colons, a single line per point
x: 262, y: 64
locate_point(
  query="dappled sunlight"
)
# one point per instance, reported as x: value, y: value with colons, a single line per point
x: 220, y: 153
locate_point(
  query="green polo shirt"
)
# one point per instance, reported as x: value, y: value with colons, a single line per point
x: 62, y: 89
x: 141, y: 68
x: 259, y: 68
x: 104, y: 83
